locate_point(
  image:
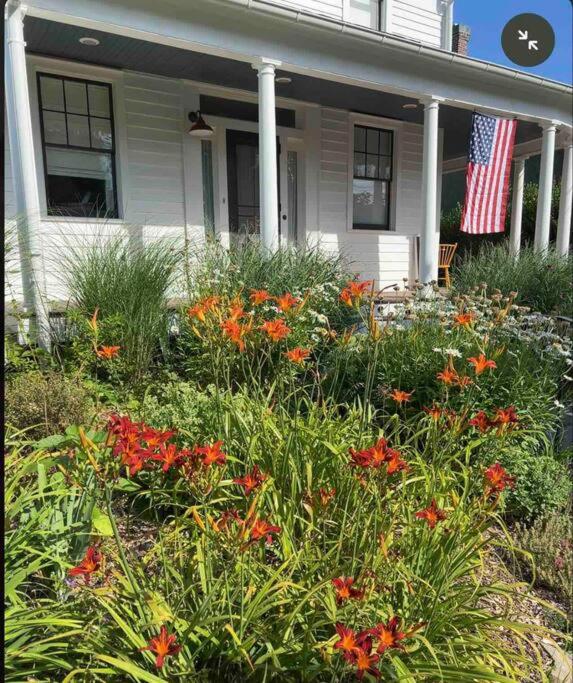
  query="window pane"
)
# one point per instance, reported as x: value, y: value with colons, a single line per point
x: 55, y: 128
x: 101, y: 133
x: 372, y: 141
x: 76, y: 98
x: 78, y: 131
x: 208, y: 199
x: 52, y: 91
x: 79, y: 183
x: 370, y: 203
x: 359, y: 139
x: 385, y: 142
x: 99, y: 100
x: 371, y: 166
x: 385, y: 168
x: 360, y: 165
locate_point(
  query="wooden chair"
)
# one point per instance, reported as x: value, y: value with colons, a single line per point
x: 447, y: 252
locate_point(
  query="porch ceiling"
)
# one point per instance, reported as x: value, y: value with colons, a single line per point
x: 60, y: 40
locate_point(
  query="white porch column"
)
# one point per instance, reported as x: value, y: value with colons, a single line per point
x: 429, y: 239
x: 268, y: 179
x: 517, y: 207
x: 24, y: 170
x: 543, y: 215
x: 564, y: 221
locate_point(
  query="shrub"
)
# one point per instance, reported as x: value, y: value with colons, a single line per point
x: 128, y: 286
x: 45, y: 403
x: 541, y: 280
x: 548, y: 540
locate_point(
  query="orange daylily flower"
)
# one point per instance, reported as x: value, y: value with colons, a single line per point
x: 344, y: 591
x: 432, y: 514
x: 276, y: 329
x: 251, y: 480
x: 505, y: 416
x: 354, y: 292
x: 481, y: 363
x: 89, y: 565
x: 236, y: 332
x: 448, y: 375
x: 163, y: 645
x: 212, y: 454
x: 348, y: 641
x: 236, y: 311
x: 497, y: 479
x: 298, y: 355
x: 464, y: 319
x: 364, y: 661
x: 435, y: 412
x: 259, y: 296
x: 394, y: 461
x: 401, y: 396
x: 286, y: 302
x: 201, y: 308
x: 108, y: 352
x: 326, y: 495
x: 169, y: 456
x: 463, y: 382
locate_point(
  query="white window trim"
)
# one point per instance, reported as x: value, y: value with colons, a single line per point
x: 384, y: 19
x: 64, y: 68
x: 396, y: 128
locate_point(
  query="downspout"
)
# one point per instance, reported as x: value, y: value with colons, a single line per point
x: 448, y: 21
x: 24, y: 172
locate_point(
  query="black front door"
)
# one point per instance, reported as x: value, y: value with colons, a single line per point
x: 243, y: 181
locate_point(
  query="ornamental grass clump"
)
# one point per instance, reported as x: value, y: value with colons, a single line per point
x: 127, y: 288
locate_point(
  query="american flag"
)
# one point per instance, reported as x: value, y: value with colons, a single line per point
x: 487, y: 176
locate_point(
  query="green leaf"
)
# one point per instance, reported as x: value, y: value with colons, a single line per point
x: 101, y: 522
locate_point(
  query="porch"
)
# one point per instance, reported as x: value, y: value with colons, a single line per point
x: 285, y: 158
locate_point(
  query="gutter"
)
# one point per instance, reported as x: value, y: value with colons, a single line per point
x: 321, y: 21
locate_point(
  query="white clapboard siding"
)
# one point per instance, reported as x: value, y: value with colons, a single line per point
x: 331, y: 8
x: 385, y: 257
x: 417, y: 19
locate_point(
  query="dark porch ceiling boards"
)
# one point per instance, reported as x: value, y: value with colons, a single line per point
x: 61, y: 40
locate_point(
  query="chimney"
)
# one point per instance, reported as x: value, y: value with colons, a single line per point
x: 460, y: 39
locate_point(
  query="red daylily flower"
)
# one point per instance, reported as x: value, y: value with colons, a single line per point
x: 251, y: 480
x: 163, y: 645
x: 480, y: 421
x: 388, y: 636
x: 276, y: 329
x: 169, y: 456
x: 432, y: 514
x: 394, y: 461
x: 259, y: 296
x: 108, y: 352
x: 364, y: 661
x: 155, y: 437
x: 261, y: 528
x: 401, y: 396
x: 212, y: 454
x: 464, y: 319
x: 89, y: 565
x: 344, y: 591
x: 298, y: 355
x: 286, y: 302
x: 348, y: 642
x: 505, y: 416
x: 481, y: 364
x: 497, y: 479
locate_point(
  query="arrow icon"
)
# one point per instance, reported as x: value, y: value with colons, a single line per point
x: 522, y: 35
x: 532, y: 45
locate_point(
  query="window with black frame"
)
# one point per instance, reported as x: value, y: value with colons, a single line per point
x: 78, y: 143
x: 372, y: 177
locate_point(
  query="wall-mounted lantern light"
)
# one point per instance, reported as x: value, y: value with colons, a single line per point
x: 199, y: 129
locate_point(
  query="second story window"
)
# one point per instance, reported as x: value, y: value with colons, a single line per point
x: 366, y: 13
x: 78, y: 143
x: 372, y: 177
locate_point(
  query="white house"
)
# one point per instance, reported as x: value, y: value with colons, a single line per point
x: 332, y: 121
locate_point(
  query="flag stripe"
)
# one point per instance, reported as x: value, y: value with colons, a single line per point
x: 487, y: 175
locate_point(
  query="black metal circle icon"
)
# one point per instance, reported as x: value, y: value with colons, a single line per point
x: 528, y: 39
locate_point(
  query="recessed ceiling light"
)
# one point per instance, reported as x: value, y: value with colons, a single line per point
x: 86, y: 40
x: 410, y: 105
x: 283, y: 79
